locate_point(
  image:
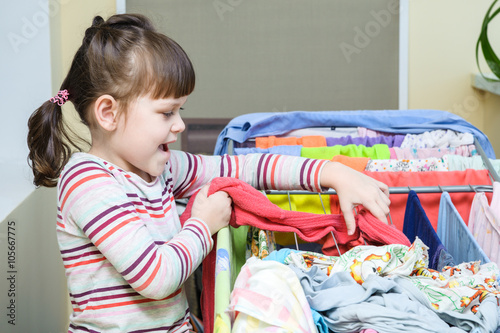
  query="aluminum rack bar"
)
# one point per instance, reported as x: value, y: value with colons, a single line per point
x: 486, y: 161
x: 403, y: 190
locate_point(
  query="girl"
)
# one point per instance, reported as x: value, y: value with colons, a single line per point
x: 125, y: 253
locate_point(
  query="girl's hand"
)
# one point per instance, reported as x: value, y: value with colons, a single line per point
x: 355, y: 188
x: 214, y: 210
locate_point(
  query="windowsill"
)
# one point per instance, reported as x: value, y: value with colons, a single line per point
x: 479, y: 82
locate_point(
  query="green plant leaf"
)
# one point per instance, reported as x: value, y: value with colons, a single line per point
x: 489, y: 55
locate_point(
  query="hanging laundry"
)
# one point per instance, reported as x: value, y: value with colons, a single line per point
x: 484, y: 223
x: 391, y: 141
x: 281, y: 150
x: 417, y: 224
x: 253, y: 208
x: 430, y: 201
x: 253, y: 125
x: 305, y: 141
x: 378, y: 151
x: 419, y: 153
x: 455, y: 235
x: 356, y: 163
x: 413, y: 165
x: 456, y: 162
x: 313, y: 203
x: 437, y: 139
x: 267, y: 296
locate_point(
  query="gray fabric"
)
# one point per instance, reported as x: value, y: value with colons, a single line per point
x: 380, y: 304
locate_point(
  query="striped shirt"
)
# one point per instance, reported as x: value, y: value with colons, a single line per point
x: 125, y: 253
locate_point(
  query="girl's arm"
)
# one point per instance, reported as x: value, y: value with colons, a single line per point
x: 262, y: 171
x: 280, y: 172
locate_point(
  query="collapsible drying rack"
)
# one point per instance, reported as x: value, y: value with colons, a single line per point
x: 224, y: 235
x: 404, y: 190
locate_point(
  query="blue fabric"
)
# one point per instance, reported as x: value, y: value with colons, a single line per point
x: 417, y: 224
x: 444, y: 258
x: 385, y: 304
x: 253, y: 125
x: 455, y: 235
x: 281, y: 150
x: 279, y: 255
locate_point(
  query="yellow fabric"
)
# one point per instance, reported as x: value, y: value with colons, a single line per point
x: 220, y: 326
x: 308, y: 203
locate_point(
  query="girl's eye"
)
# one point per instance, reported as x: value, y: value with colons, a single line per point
x: 170, y: 113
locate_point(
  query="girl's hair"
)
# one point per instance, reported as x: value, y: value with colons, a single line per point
x: 124, y: 57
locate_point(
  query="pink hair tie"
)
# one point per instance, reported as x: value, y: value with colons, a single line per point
x: 60, y: 98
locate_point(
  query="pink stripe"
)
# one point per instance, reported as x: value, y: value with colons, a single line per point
x: 83, y: 191
x: 279, y: 183
x: 117, y: 239
x: 89, y: 269
x: 162, y: 278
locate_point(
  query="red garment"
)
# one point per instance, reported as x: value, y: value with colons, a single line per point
x: 250, y: 207
x: 430, y: 201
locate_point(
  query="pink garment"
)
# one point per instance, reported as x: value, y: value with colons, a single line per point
x: 393, y: 153
x: 484, y: 223
x: 368, y: 330
x: 415, y: 153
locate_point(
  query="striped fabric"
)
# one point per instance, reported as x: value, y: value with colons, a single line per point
x: 125, y: 252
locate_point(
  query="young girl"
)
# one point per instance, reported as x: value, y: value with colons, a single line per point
x: 125, y: 253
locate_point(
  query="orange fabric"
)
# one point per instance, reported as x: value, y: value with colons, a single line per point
x: 429, y: 201
x: 357, y: 163
x: 266, y: 142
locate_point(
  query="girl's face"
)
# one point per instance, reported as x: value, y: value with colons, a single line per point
x: 143, y: 135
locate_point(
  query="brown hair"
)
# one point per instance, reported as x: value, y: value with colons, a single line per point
x: 124, y: 57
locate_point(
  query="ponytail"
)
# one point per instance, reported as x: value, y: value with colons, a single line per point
x: 49, y: 143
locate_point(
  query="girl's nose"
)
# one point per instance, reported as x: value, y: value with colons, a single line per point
x: 178, y: 126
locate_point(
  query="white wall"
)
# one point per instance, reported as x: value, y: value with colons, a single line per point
x: 25, y: 83
x: 442, y: 43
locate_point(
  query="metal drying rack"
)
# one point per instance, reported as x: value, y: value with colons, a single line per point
x: 494, y: 177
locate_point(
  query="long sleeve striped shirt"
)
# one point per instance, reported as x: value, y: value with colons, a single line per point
x: 124, y: 250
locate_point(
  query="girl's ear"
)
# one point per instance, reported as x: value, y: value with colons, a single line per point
x: 106, y: 112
